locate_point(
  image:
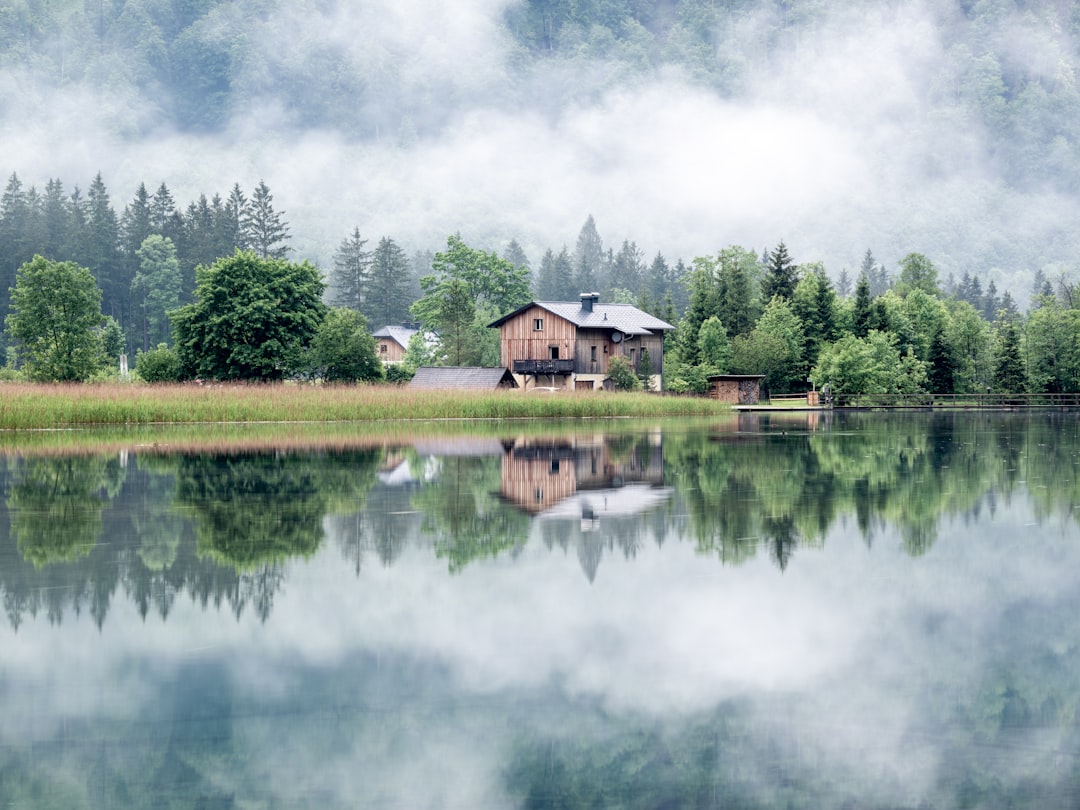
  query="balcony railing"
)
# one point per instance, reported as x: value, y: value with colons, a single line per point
x: 543, y: 366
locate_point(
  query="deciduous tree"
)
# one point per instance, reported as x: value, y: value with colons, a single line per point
x: 55, y: 320
x: 252, y: 318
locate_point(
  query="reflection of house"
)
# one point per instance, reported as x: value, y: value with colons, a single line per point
x: 462, y: 378
x: 738, y: 389
x: 393, y: 341
x: 578, y: 478
x: 569, y: 344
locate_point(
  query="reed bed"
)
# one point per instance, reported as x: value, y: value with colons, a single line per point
x: 29, y: 406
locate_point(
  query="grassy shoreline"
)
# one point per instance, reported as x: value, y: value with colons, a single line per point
x: 31, y: 406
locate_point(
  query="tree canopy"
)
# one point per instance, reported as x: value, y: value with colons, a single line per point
x: 252, y: 318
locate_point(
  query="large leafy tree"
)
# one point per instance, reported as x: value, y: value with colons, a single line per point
x: 343, y: 349
x: 158, y: 284
x: 252, y: 318
x: 55, y: 320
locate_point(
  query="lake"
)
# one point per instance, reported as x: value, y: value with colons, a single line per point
x: 764, y: 611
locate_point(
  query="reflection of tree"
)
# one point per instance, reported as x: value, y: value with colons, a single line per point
x: 252, y: 509
x: 56, y: 503
x: 464, y: 515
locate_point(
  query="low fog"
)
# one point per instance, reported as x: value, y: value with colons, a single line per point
x: 850, y: 136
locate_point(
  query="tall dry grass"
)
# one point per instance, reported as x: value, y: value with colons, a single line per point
x: 26, y: 406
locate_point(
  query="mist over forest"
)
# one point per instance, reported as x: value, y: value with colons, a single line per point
x: 946, y: 128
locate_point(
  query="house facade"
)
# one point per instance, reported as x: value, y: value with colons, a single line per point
x: 565, y: 344
x: 391, y: 342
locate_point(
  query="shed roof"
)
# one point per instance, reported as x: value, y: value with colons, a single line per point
x: 625, y: 318
x: 462, y: 377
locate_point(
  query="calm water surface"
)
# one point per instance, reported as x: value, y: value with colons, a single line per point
x: 870, y: 612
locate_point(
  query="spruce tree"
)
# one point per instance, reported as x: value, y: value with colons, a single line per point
x: 386, y: 302
x: 781, y: 276
x: 352, y: 272
x: 264, y: 227
x: 1009, y: 375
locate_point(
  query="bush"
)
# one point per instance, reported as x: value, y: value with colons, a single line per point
x: 622, y: 374
x: 398, y: 373
x: 158, y: 365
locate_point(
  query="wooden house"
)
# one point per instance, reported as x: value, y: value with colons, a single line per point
x: 391, y: 342
x: 566, y: 344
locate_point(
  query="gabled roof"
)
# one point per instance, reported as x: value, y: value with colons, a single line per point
x: 398, y: 334
x: 466, y: 378
x: 626, y: 318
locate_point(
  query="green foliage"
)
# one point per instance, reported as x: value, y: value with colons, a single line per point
x: 158, y: 365
x: 252, y: 319
x: 1009, y: 374
x: 714, y: 348
x: 870, y: 365
x: 918, y: 273
x: 776, y: 347
x: 622, y: 374
x: 55, y: 321
x: 399, y: 373
x: 158, y: 282
x: 343, y: 349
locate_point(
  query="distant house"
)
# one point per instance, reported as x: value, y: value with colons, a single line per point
x: 568, y: 344
x: 462, y: 378
x: 393, y: 341
x: 736, y: 389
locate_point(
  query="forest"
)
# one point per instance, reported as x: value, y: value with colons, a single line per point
x: 878, y: 196
x: 948, y: 129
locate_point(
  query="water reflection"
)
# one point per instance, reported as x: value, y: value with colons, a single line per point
x: 876, y: 612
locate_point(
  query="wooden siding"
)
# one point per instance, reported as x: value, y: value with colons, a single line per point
x: 389, y: 350
x: 536, y: 484
x: 520, y: 341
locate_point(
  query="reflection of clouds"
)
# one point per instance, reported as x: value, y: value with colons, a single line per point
x: 843, y: 649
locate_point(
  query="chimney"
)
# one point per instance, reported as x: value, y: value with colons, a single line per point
x: 587, y: 301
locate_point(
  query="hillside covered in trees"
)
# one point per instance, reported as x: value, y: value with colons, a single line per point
x: 947, y: 129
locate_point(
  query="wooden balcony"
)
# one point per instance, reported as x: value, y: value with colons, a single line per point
x: 543, y: 366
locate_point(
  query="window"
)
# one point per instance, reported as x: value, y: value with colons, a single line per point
x: 553, y: 352
x: 554, y: 466
x: 382, y: 348
x: 592, y: 353
x: 538, y: 324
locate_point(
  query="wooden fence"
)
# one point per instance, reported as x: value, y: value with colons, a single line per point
x: 986, y: 401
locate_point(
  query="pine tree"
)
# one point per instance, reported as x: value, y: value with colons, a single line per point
x: 386, y: 301
x: 863, y: 306
x: 1009, y: 375
x: 352, y: 272
x: 588, y: 257
x: 780, y: 275
x: 547, y: 283
x: 991, y: 302
x: 100, y: 252
x: 264, y: 227
x: 843, y: 284
x: 942, y: 368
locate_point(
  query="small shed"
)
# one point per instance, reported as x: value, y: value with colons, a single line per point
x: 463, y: 378
x: 736, y: 389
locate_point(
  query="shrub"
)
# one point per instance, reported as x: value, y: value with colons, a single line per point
x: 158, y: 365
x: 622, y: 374
x: 398, y: 373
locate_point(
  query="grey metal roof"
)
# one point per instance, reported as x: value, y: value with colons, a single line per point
x: 626, y: 318
x: 461, y: 377
x: 399, y: 334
